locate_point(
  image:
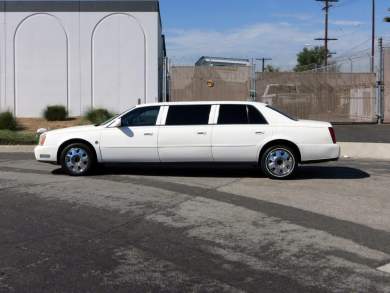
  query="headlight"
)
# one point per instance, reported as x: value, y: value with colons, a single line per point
x: 42, y: 139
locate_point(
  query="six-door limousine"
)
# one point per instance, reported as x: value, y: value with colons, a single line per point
x: 203, y: 132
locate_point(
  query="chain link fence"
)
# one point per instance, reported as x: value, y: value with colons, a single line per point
x: 203, y: 83
x: 346, y: 91
x: 328, y: 96
x: 385, y: 100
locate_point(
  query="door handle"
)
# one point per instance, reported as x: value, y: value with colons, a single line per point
x: 202, y: 132
x: 259, y: 132
x: 148, y: 134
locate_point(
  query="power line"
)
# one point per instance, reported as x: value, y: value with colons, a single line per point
x: 326, y: 38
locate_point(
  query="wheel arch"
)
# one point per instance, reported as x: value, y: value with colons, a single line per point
x: 284, y: 142
x: 76, y: 140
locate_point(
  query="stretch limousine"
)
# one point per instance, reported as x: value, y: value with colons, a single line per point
x: 206, y: 132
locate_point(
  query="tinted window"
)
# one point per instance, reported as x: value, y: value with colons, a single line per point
x: 282, y: 113
x: 255, y: 117
x: 188, y: 115
x: 141, y: 117
x: 239, y: 114
x: 233, y: 114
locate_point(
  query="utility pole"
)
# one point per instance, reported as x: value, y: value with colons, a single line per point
x: 381, y: 83
x: 326, y: 39
x: 263, y: 60
x: 373, y: 37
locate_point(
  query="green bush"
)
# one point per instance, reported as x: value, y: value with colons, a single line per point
x: 97, y: 116
x: 55, y: 113
x: 8, y: 137
x: 7, y: 121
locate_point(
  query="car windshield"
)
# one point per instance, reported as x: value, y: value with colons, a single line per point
x: 282, y: 113
x: 113, y: 118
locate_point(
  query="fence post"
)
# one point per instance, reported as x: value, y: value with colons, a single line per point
x: 380, y: 83
x: 252, y: 89
x: 164, y: 79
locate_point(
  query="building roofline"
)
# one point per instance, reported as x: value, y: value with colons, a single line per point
x: 224, y: 59
x: 79, y: 5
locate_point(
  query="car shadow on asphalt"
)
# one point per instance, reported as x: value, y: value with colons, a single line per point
x: 304, y: 172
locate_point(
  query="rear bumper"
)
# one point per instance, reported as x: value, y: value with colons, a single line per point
x: 319, y: 153
x: 45, y: 154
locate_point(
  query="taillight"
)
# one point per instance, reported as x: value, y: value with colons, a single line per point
x: 332, y: 134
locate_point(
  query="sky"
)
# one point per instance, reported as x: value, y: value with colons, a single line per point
x: 277, y: 29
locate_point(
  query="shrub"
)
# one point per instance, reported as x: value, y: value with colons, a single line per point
x: 97, y: 116
x: 7, y: 121
x: 8, y: 137
x: 55, y: 113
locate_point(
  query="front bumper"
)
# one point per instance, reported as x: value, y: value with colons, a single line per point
x: 45, y: 154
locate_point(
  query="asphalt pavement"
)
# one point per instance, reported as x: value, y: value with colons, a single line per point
x: 167, y: 229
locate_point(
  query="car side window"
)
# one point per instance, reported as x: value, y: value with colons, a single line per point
x: 255, y: 117
x: 239, y: 114
x: 188, y: 115
x: 232, y: 114
x: 146, y: 116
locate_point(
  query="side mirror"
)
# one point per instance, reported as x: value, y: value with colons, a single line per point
x: 41, y: 131
x: 116, y: 123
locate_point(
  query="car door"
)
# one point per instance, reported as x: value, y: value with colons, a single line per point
x: 238, y: 134
x: 186, y: 134
x: 135, y: 140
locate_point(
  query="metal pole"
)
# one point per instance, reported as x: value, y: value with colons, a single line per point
x: 326, y: 31
x: 380, y: 90
x: 253, y: 79
x: 351, y: 60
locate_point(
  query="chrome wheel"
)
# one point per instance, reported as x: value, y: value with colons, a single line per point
x: 77, y: 160
x: 280, y: 162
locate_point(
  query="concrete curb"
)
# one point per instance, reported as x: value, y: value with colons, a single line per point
x: 372, y: 151
x: 17, y: 148
x: 353, y: 150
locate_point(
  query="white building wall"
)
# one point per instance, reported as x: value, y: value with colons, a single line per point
x: 78, y: 59
x: 2, y: 61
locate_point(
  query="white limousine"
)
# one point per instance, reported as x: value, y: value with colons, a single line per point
x: 199, y: 132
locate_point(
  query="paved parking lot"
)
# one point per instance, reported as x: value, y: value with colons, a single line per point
x: 193, y: 230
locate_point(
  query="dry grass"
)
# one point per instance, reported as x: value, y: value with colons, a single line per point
x: 32, y: 124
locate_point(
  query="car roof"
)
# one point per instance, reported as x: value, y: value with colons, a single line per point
x: 204, y: 103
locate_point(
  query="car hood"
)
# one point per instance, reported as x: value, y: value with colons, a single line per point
x: 313, y: 123
x: 73, y: 129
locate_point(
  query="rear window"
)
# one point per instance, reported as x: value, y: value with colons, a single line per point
x: 239, y: 114
x: 188, y: 115
x: 282, y: 113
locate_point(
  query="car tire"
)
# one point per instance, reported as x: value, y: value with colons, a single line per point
x: 279, y: 162
x: 77, y: 159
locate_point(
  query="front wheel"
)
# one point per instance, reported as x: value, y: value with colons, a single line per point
x: 279, y: 162
x: 77, y: 159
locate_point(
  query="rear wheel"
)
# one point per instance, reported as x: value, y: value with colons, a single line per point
x: 77, y: 159
x: 279, y: 162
